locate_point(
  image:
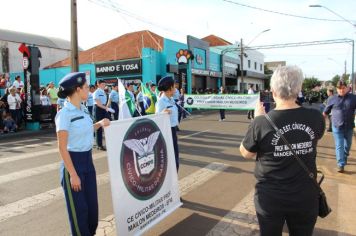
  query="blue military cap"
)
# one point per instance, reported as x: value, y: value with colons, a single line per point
x: 165, y: 81
x: 72, y: 79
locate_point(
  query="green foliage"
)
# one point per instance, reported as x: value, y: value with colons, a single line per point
x: 336, y: 78
x: 310, y: 83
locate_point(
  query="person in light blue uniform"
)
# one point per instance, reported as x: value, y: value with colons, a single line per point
x: 176, y: 96
x: 114, y: 101
x: 140, y: 100
x: 100, y: 111
x: 167, y: 104
x: 74, y: 128
x: 90, y: 101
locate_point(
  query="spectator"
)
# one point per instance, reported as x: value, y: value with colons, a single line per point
x: 18, y: 82
x: 14, y: 101
x: 52, y: 94
x: 342, y: 108
x: 45, y: 100
x: 9, y: 124
x: 4, y: 99
x: 284, y: 191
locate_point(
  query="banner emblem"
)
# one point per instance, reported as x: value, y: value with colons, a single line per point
x: 143, y: 159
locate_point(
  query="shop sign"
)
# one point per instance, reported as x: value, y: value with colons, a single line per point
x: 118, y: 68
x: 200, y: 72
x: 231, y: 65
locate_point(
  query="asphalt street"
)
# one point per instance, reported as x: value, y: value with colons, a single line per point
x: 216, y: 184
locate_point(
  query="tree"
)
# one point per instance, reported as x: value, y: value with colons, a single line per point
x: 310, y: 83
x: 336, y: 78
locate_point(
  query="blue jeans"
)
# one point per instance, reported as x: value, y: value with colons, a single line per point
x: 343, y: 140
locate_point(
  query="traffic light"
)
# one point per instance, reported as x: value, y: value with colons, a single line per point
x: 35, y: 55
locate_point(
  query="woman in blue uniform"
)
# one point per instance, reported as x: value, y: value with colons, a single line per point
x: 74, y: 128
x: 167, y: 104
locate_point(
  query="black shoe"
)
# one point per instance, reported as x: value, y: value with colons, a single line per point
x: 340, y: 169
x: 101, y: 148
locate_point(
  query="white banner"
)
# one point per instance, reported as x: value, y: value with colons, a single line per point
x: 222, y: 101
x: 143, y: 175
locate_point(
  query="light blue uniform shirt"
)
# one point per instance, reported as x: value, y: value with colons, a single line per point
x: 79, y: 126
x: 165, y: 102
x: 140, y: 97
x: 90, y: 100
x: 100, y: 95
x: 114, y: 96
x: 176, y: 95
x: 60, y: 102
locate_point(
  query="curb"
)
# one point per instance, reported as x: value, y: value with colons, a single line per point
x: 25, y: 133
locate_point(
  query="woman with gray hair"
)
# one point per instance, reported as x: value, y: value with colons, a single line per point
x: 284, y: 191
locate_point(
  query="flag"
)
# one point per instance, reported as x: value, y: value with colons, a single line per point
x: 127, y: 106
x: 149, y: 99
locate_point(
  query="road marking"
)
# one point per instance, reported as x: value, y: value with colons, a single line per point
x: 107, y: 225
x: 37, y: 201
x: 241, y: 220
x: 187, y: 136
x: 27, y: 155
x: 37, y: 170
x: 7, y: 149
x: 16, y: 142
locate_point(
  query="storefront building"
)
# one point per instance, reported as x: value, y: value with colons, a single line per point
x: 207, y: 70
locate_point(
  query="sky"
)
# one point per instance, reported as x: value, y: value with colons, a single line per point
x: 175, y: 19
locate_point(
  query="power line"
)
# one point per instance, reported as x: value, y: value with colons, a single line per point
x: 116, y: 7
x: 281, y: 13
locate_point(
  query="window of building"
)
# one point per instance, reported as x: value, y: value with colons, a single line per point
x: 260, y: 67
x: 249, y: 63
x: 255, y: 65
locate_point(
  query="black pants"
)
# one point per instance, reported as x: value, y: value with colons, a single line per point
x: 143, y: 112
x: 175, y: 145
x: 115, y: 106
x: 99, y: 115
x: 300, y: 223
x: 251, y: 114
x: 222, y: 114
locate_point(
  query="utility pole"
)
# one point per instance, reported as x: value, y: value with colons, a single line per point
x: 74, y: 36
x: 345, y: 68
x: 242, y: 66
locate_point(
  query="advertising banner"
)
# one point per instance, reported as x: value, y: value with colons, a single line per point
x: 222, y: 101
x: 143, y: 175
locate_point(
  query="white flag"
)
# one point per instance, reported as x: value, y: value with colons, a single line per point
x: 126, y: 109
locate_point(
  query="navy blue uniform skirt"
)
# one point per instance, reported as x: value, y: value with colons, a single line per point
x: 82, y: 206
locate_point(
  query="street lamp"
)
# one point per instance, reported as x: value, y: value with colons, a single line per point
x: 354, y: 25
x: 264, y: 31
x: 346, y: 20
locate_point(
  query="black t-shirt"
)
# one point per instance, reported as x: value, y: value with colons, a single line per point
x: 279, y: 175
